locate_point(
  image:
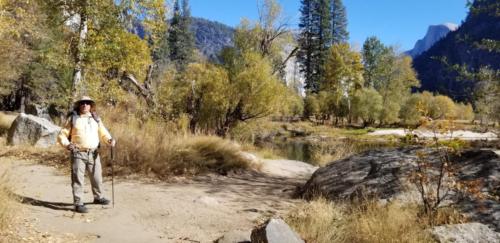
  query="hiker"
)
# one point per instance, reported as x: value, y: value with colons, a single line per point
x: 81, y: 135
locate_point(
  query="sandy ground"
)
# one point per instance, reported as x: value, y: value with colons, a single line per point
x: 187, y: 210
x: 461, y: 134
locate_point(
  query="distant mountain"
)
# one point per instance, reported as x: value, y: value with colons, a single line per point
x: 211, y: 37
x: 474, y: 44
x: 434, y: 34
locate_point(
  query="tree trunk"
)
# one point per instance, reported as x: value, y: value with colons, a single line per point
x: 144, y: 91
x: 78, y: 54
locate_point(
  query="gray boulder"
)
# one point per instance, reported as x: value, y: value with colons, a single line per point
x: 379, y: 173
x: 384, y: 174
x: 32, y: 130
x: 465, y: 233
x: 275, y: 231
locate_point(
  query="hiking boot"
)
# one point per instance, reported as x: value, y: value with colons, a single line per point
x: 101, y: 201
x: 81, y: 209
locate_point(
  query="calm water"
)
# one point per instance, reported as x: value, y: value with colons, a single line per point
x: 307, y: 151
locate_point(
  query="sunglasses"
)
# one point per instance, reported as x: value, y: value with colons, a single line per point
x: 85, y: 103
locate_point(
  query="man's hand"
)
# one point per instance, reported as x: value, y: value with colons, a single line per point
x: 112, y: 142
x: 72, y: 147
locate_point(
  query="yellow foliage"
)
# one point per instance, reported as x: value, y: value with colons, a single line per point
x: 255, y: 86
x: 18, y: 22
x: 209, y: 85
x: 443, y: 108
x: 114, y: 51
x: 343, y: 70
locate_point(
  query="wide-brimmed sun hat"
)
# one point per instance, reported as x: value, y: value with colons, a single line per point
x: 84, y: 98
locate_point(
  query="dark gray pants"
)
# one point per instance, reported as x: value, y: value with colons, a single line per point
x: 90, y: 162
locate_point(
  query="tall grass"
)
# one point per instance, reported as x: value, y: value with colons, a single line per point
x: 318, y: 221
x: 164, y: 148
x: 323, y: 221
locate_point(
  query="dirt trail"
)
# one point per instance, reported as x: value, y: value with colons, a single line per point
x: 188, y: 210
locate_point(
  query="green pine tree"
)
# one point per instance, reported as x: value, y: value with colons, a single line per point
x: 324, y: 36
x: 180, y: 38
x: 187, y: 34
x: 339, y: 22
x: 314, y: 41
x: 305, y: 55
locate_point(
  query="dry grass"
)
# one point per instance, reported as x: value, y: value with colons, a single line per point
x: 326, y: 152
x: 323, y: 221
x: 318, y: 221
x: 163, y: 148
x: 370, y: 222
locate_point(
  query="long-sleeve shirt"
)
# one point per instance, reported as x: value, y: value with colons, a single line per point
x: 85, y: 133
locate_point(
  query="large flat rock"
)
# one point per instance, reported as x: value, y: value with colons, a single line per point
x: 384, y: 173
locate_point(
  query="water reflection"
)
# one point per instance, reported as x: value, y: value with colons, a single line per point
x: 313, y: 150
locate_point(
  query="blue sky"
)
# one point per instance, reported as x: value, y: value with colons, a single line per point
x: 395, y: 22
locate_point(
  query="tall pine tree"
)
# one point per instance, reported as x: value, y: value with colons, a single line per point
x: 324, y: 36
x: 305, y: 55
x: 314, y: 41
x: 339, y: 22
x: 180, y: 38
x: 189, y: 45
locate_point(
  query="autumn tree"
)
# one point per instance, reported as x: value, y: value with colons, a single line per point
x: 34, y: 66
x: 367, y: 105
x: 343, y: 76
x: 394, y: 82
x: 269, y: 36
x: 373, y: 51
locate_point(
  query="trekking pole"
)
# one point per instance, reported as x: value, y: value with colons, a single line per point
x: 113, y: 175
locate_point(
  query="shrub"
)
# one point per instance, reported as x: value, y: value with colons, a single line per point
x: 311, y: 106
x: 464, y: 112
x: 410, y: 113
x: 367, y: 105
x: 442, y: 108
